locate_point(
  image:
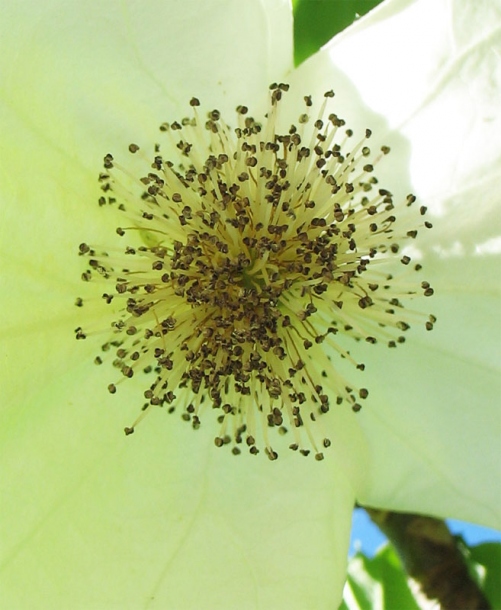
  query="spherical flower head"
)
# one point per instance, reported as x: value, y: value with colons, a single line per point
x: 266, y: 252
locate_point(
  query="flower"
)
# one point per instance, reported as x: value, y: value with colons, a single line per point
x: 164, y: 519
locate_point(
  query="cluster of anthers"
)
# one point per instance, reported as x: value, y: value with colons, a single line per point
x: 259, y: 251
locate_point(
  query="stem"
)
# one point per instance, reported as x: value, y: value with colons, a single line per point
x: 430, y: 555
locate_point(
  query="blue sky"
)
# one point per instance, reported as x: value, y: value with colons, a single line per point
x: 367, y: 537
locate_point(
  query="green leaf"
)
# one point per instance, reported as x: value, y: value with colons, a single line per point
x: 488, y: 555
x: 379, y: 582
x: 317, y: 21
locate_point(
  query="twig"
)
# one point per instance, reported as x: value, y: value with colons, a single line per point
x: 431, y: 556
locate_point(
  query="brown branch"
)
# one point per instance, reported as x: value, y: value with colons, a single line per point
x: 430, y: 555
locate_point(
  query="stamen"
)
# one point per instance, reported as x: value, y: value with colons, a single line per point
x: 252, y: 253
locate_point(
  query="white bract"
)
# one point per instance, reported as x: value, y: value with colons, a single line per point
x: 164, y: 519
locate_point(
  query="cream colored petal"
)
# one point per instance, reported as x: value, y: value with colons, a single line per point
x: 435, y: 104
x: 433, y: 418
x: 433, y: 70
x: 88, y: 77
x: 78, y: 81
x: 90, y: 519
x: 162, y: 519
x: 434, y: 424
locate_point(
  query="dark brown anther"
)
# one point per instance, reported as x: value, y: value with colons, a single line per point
x: 108, y: 161
x: 272, y: 455
x: 79, y: 334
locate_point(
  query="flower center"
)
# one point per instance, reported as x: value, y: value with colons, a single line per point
x: 259, y: 253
